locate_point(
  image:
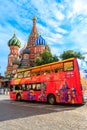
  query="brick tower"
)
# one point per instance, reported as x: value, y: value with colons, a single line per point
x: 31, y: 42
x: 14, y: 45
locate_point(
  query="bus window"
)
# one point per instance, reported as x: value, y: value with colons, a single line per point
x: 38, y: 73
x: 57, y: 67
x: 38, y: 86
x: 28, y: 86
x: 58, y: 70
x: 33, y: 74
x: 27, y: 74
x: 68, y: 66
x: 20, y: 75
x: 47, y: 71
x: 33, y: 86
x: 44, y: 72
x: 12, y: 87
x: 23, y: 87
x: 16, y: 87
x: 43, y: 85
x: 15, y: 76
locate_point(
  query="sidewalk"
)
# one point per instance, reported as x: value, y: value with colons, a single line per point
x: 4, y: 97
x: 4, y: 91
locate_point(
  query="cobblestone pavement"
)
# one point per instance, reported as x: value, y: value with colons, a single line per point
x: 41, y: 116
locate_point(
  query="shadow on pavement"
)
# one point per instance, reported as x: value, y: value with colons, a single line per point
x: 12, y: 109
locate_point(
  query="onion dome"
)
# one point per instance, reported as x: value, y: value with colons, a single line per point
x: 14, y: 41
x: 26, y: 51
x: 16, y: 62
x: 40, y: 41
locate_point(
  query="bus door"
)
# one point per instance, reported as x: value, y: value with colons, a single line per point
x: 24, y: 92
x: 14, y: 89
x: 41, y: 91
x: 31, y: 91
x: 12, y: 92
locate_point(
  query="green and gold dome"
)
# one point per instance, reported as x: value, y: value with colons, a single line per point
x: 14, y: 41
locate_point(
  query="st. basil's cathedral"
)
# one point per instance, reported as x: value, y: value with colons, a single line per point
x: 27, y: 55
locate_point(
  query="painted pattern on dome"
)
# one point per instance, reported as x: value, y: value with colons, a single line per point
x: 14, y: 41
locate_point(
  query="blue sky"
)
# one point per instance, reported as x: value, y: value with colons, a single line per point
x: 62, y: 23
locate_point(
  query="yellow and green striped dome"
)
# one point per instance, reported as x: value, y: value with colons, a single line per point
x: 14, y: 41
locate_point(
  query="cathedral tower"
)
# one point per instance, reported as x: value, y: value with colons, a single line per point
x: 33, y: 34
x: 31, y: 42
x: 14, y: 45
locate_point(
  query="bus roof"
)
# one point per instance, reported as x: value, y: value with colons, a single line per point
x: 36, y: 67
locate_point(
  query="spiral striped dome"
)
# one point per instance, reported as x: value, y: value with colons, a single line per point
x: 40, y: 41
x: 14, y: 41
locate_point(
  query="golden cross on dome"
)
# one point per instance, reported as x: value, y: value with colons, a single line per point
x: 34, y: 18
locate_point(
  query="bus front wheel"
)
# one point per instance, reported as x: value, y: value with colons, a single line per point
x: 18, y: 98
x: 51, y: 99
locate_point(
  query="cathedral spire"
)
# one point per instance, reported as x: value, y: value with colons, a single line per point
x: 34, y: 28
x: 33, y: 34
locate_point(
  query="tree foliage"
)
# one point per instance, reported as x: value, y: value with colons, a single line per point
x: 70, y: 54
x: 46, y: 57
x: 55, y: 58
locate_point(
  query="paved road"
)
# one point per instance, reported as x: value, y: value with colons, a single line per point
x: 41, y: 116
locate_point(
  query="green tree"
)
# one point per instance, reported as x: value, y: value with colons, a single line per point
x: 45, y: 58
x: 38, y: 61
x: 55, y: 58
x: 70, y: 54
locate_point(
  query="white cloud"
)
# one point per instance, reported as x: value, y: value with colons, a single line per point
x: 80, y: 6
x: 78, y: 35
x: 55, y: 51
x: 61, y: 30
x: 77, y: 7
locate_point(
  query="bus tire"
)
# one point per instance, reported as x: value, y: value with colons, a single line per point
x: 51, y: 99
x: 18, y: 97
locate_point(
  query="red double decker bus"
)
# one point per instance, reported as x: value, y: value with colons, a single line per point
x: 58, y: 82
